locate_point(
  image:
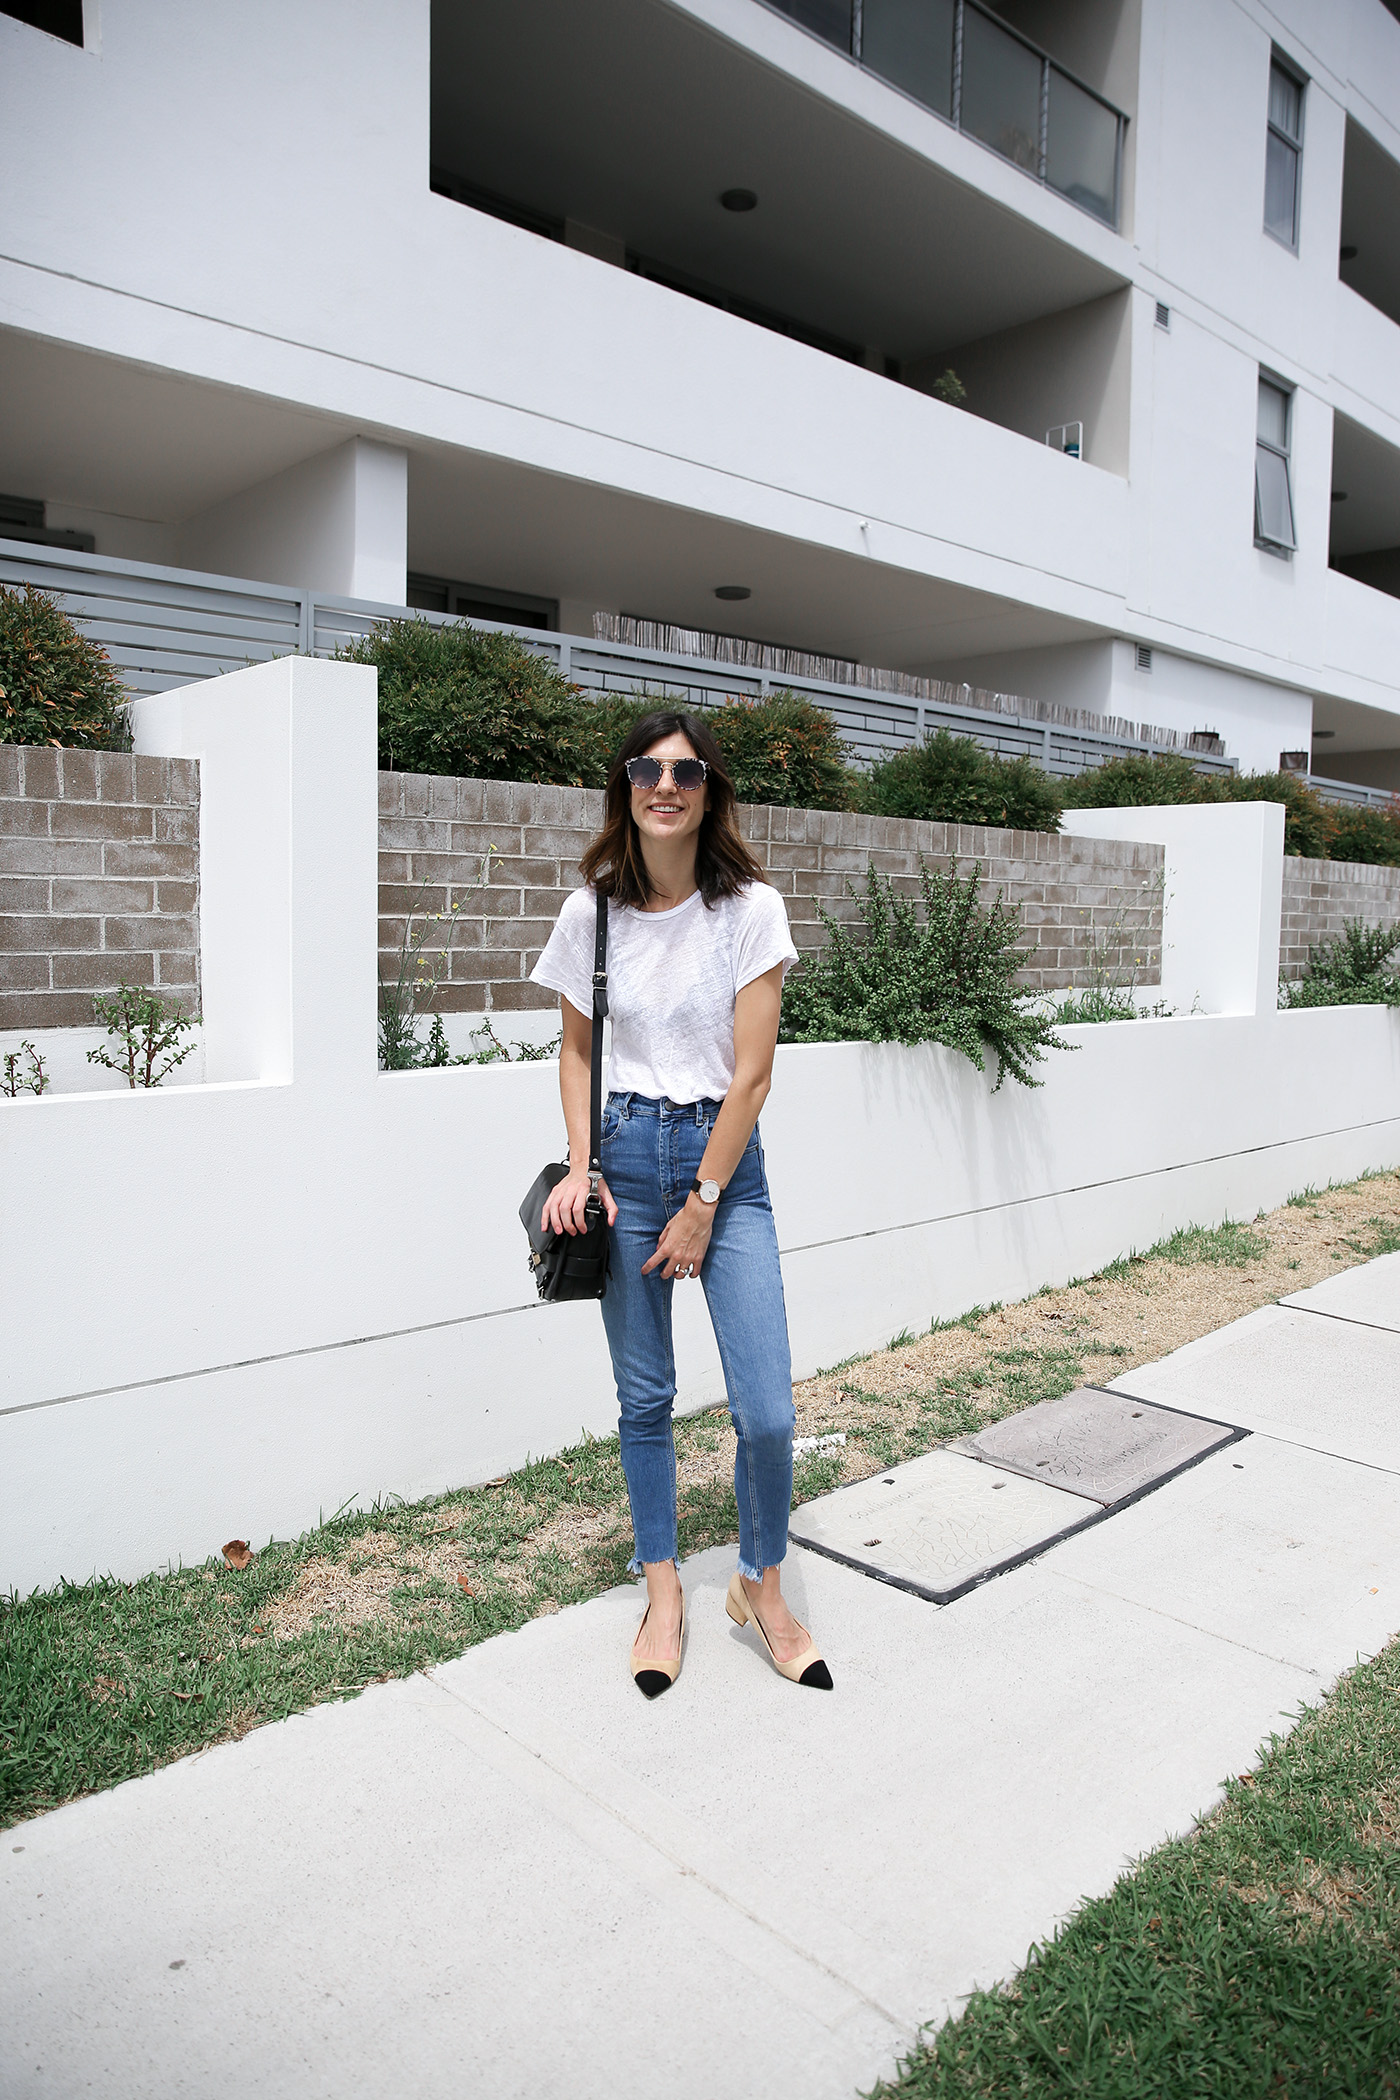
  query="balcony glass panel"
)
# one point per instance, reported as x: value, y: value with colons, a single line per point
x: 1081, y: 148
x: 1000, y: 91
x: 830, y: 19
x: 910, y: 44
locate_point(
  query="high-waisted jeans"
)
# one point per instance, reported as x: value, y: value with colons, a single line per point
x: 651, y: 1154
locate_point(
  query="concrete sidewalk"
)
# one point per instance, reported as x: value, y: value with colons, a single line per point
x: 515, y: 1877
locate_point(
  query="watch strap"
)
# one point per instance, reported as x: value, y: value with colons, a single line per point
x: 697, y: 1187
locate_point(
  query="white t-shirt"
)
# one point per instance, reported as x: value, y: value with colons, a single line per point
x: 673, y: 977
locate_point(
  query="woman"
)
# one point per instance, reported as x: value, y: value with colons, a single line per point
x: 698, y: 947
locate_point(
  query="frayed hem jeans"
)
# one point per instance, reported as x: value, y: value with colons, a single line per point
x: 651, y: 1153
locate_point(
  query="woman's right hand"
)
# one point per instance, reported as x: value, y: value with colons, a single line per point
x: 564, y: 1208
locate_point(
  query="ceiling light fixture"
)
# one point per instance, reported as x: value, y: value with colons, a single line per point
x: 1339, y: 495
x: 1320, y: 735
x: 738, y: 200
x: 1347, y: 254
x: 733, y: 592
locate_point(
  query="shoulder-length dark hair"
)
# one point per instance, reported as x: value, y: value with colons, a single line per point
x: 723, y: 863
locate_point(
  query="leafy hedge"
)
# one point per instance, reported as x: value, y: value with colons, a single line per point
x: 458, y: 700
x: 56, y: 686
x: 1355, y: 969
x: 946, y: 978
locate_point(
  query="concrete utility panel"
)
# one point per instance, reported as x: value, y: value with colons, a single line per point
x: 1108, y: 1446
x: 939, y: 1525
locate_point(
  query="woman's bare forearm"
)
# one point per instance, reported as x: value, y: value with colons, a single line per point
x: 733, y: 1128
x: 575, y: 1060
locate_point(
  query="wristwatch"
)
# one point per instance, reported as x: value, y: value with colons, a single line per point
x: 707, y: 1191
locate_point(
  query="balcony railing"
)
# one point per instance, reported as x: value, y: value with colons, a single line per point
x: 168, y: 627
x: 988, y: 80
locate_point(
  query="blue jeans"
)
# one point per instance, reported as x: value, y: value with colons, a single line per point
x: 651, y: 1154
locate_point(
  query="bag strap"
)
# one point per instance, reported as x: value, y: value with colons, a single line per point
x: 595, y: 1059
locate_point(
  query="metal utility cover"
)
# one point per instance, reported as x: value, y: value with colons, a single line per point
x: 939, y: 1525
x: 1108, y: 1446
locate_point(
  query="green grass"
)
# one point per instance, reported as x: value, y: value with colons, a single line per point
x: 1255, y: 1960
x: 105, y: 1680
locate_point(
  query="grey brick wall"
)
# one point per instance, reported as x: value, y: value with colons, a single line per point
x: 99, y: 876
x: 1077, y: 895
x: 1320, y: 895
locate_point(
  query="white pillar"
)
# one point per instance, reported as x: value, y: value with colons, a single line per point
x: 336, y: 523
x: 1223, y: 901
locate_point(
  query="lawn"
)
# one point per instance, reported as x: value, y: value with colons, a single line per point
x: 105, y: 1680
x: 1254, y: 1960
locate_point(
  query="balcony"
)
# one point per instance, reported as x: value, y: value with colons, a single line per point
x: 648, y: 141
x: 1369, y: 256
x: 991, y: 81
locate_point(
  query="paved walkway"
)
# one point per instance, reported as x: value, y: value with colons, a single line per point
x: 514, y: 1877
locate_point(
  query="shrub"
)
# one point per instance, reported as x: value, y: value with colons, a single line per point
x: 948, y: 980
x: 1352, y: 970
x: 56, y: 686
x: 1307, y: 819
x: 1369, y: 835
x: 955, y: 780
x: 147, y: 1034
x: 784, y: 750
x: 458, y: 700
x: 1136, y: 781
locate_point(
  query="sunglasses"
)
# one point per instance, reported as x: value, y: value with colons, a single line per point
x: 687, y: 774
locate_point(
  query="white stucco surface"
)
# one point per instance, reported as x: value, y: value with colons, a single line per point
x: 332, y: 1301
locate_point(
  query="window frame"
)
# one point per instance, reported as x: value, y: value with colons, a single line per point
x: 1281, y: 549
x: 1278, y: 63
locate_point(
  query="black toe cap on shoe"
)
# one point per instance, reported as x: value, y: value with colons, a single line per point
x: 652, y: 1683
x: 818, y: 1677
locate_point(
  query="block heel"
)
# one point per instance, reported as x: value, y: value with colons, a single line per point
x: 806, y: 1668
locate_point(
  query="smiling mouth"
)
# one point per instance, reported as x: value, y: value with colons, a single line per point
x: 666, y: 809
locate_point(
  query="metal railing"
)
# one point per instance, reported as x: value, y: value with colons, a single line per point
x: 168, y: 627
x: 990, y: 81
x: 1349, y: 791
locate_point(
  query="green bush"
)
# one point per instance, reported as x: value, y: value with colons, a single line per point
x: 458, y: 700
x: 955, y: 780
x: 949, y: 979
x: 1352, y: 970
x: 1368, y: 835
x: 784, y: 750
x: 1307, y: 819
x: 1134, y: 782
x: 56, y: 686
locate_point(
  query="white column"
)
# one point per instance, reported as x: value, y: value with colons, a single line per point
x: 1223, y: 902
x: 336, y: 523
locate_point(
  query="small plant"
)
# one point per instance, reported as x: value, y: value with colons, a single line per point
x: 495, y: 1052
x: 1354, y: 969
x: 56, y: 686
x: 33, y: 1079
x: 409, y: 994
x: 949, y: 979
x: 948, y: 387
x: 148, y: 1032
x: 955, y: 780
x: 785, y: 751
x: 1369, y: 835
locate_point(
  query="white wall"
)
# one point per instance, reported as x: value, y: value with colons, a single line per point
x: 332, y: 1300
x: 336, y: 523
x: 159, y: 193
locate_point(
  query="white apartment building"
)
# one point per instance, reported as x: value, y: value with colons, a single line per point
x: 545, y: 308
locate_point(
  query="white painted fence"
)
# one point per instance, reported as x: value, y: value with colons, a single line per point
x: 230, y: 1307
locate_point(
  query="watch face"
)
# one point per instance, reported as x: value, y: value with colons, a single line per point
x: 709, y: 1192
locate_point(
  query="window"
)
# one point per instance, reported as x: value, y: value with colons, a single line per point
x: 1284, y: 154
x: 62, y: 18
x: 1273, y: 493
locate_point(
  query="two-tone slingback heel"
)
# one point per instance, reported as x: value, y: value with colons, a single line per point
x: 653, y: 1674
x: 806, y: 1668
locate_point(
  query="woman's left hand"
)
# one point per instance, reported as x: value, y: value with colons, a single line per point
x: 682, y: 1246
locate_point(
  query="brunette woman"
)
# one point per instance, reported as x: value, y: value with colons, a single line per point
x: 698, y: 947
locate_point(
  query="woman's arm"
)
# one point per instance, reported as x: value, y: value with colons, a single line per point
x: 756, y: 1013
x: 564, y: 1210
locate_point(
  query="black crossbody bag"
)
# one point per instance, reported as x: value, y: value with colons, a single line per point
x: 575, y: 1265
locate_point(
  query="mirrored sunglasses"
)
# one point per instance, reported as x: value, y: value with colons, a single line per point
x: 687, y: 774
